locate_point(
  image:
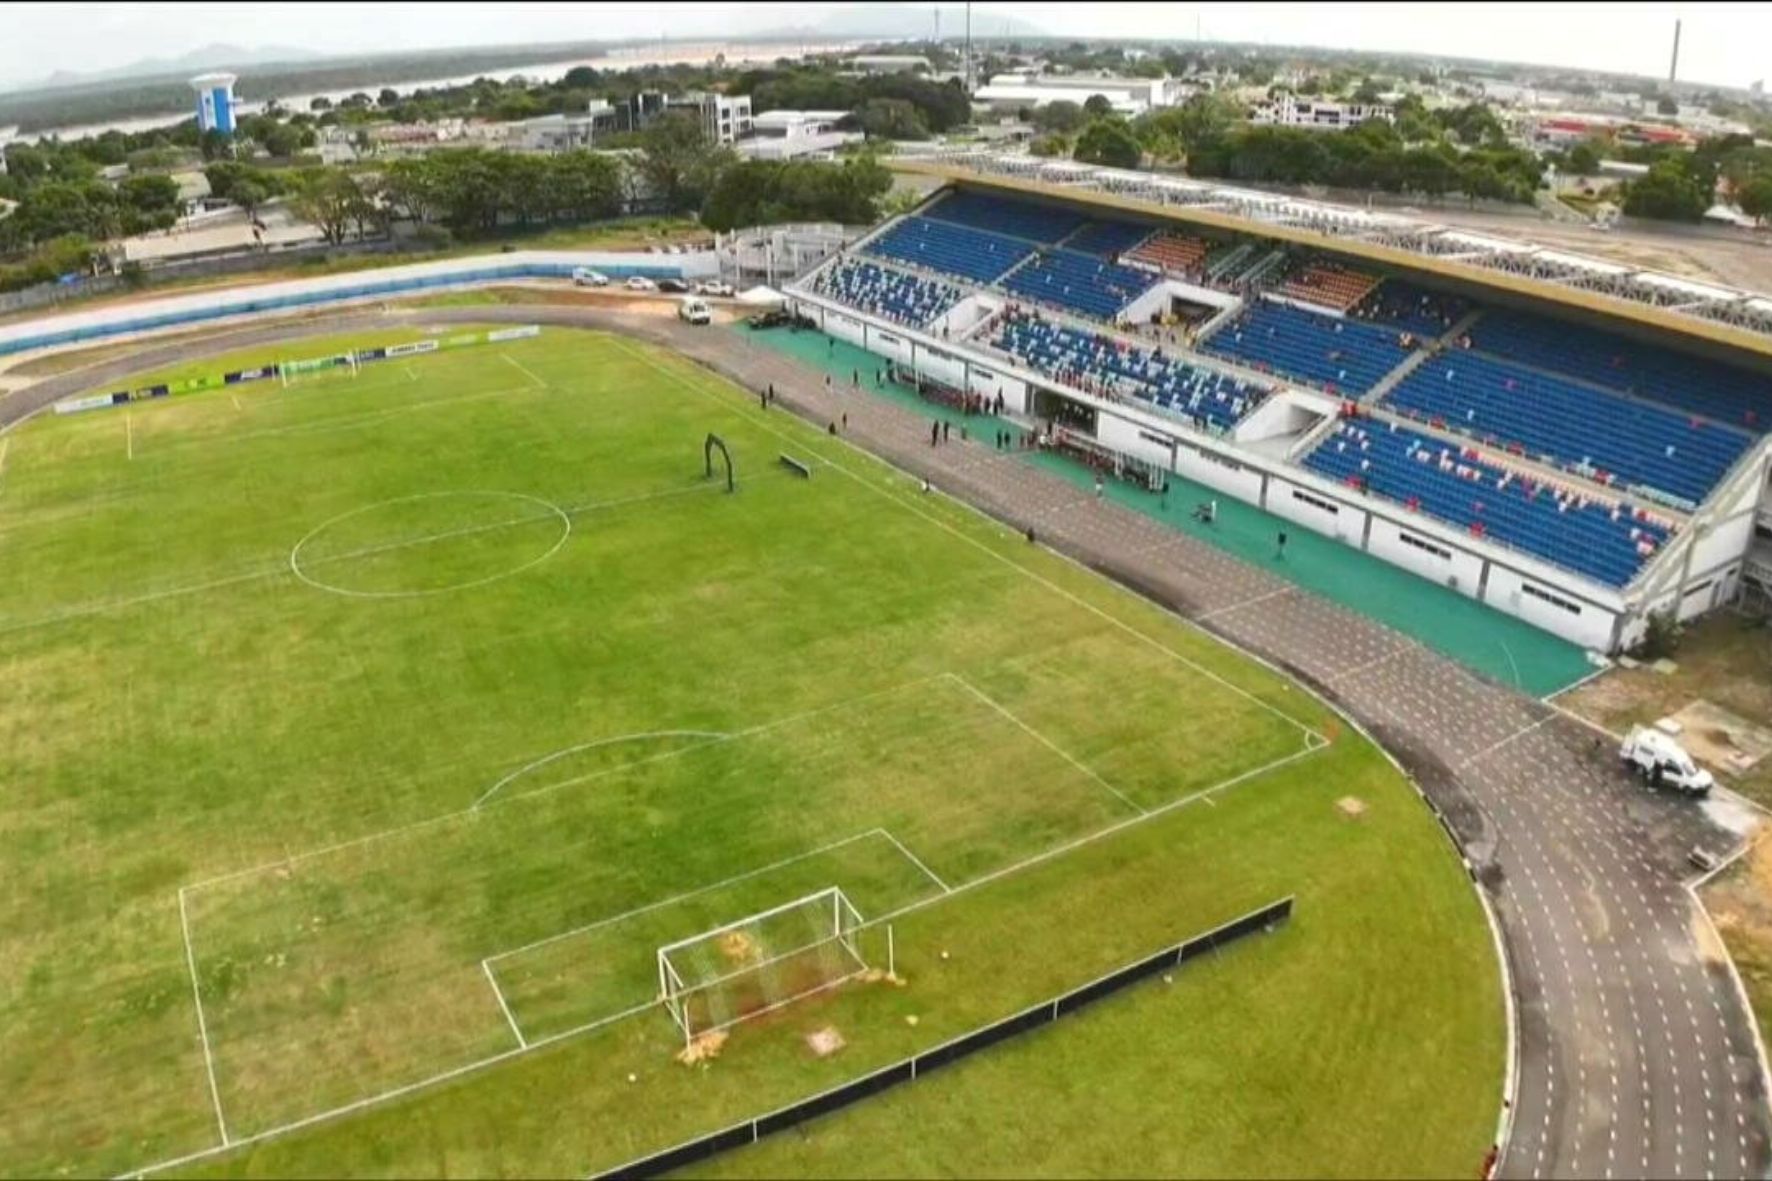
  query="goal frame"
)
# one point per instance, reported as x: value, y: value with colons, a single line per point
x: 289, y: 371
x: 674, y: 991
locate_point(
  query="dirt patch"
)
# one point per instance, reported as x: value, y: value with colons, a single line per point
x: 1353, y: 807
x: 705, y: 1048
x: 1722, y: 739
x: 825, y: 1042
x: 738, y: 947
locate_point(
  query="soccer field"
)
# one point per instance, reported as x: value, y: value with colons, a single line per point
x: 362, y: 742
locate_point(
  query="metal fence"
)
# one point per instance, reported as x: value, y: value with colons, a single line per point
x: 907, y: 1070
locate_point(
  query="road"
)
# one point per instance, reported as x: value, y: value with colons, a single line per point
x: 1635, y: 1054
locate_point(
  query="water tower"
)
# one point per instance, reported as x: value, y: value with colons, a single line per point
x: 215, y: 102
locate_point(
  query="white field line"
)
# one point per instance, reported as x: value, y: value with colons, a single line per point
x: 505, y: 1008
x: 1499, y: 743
x: 129, y: 435
x: 369, y: 1101
x: 1343, y: 674
x: 911, y: 507
x: 5, y: 442
x: 184, y: 923
x: 1043, y: 740
x: 525, y: 371
x: 688, y: 894
x: 1551, y: 697
x: 642, y: 736
x: 918, y: 862
x: 1289, y: 588
x: 400, y: 830
x: 81, y: 610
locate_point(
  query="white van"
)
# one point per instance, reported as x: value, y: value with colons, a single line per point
x: 694, y: 311
x: 586, y: 277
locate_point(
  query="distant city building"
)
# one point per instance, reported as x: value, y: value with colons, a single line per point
x: 1127, y: 96
x: 890, y: 63
x: 724, y: 119
x: 1314, y: 114
x: 215, y: 102
x: 793, y: 135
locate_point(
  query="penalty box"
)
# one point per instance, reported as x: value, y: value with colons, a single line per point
x: 334, y: 977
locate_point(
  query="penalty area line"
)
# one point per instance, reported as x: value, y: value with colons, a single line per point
x: 184, y: 923
x: 503, y: 1006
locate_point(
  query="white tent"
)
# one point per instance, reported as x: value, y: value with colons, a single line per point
x: 761, y: 297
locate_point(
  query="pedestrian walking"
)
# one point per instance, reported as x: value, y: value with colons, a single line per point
x: 934, y: 431
x: 1280, y: 553
x: 944, y: 432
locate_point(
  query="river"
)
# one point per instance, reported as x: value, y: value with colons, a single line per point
x: 697, y: 54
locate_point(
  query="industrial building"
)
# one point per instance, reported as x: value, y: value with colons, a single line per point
x: 1127, y: 96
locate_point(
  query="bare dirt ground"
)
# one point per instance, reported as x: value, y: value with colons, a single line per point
x: 1724, y: 659
x: 1740, y: 903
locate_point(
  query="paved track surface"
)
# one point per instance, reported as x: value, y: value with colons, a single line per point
x: 1635, y: 1054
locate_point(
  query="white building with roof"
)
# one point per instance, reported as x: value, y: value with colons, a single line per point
x: 1127, y: 96
x: 1315, y: 114
x: 794, y: 135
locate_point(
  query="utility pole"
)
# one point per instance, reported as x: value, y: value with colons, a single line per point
x: 1673, y: 67
x: 966, y: 66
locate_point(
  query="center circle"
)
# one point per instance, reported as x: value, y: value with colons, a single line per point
x: 429, y: 543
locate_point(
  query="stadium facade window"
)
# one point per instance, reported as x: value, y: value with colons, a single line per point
x: 1438, y: 551
x: 1317, y: 502
x: 1554, y: 600
x: 1159, y: 440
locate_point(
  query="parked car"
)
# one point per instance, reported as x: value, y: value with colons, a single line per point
x: 694, y: 311
x: 586, y: 277
x: 773, y: 318
x: 715, y: 288
x: 674, y: 286
x: 640, y: 283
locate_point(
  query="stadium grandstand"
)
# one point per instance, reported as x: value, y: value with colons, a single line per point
x: 1573, y: 443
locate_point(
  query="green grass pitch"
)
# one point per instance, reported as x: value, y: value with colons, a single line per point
x: 393, y: 722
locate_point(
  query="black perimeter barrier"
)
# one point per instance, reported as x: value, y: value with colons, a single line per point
x: 967, y: 1044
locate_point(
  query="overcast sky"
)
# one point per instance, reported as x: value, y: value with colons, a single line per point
x: 1726, y: 43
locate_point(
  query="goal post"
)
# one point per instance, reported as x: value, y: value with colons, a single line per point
x: 290, y: 372
x: 759, y: 963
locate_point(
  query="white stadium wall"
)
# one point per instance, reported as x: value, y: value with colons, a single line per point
x: 1430, y: 557
x: 209, y: 307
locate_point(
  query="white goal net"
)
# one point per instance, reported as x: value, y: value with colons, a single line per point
x: 291, y: 372
x: 761, y: 962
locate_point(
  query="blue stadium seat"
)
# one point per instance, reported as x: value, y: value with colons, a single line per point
x: 1101, y: 364
x: 1044, y: 224
x: 906, y: 299
x: 1605, y: 437
x: 1080, y: 282
x: 1109, y: 239
x: 970, y: 254
x: 1688, y: 383
x: 1455, y: 485
x: 1414, y: 309
x: 1343, y: 355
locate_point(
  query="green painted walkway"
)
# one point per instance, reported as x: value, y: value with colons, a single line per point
x: 1479, y: 637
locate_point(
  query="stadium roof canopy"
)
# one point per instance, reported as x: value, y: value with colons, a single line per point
x: 1729, y: 316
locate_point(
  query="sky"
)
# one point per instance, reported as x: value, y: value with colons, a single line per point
x: 1722, y: 42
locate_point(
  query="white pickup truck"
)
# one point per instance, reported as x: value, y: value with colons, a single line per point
x: 1662, y: 762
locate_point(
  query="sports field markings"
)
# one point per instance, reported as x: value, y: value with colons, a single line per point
x: 642, y: 736
x: 290, y: 861
x: 128, y: 435
x: 503, y: 1005
x: 910, y: 506
x: 1050, y: 745
x: 82, y: 610
x: 651, y: 1006
x: 5, y: 442
x: 525, y: 371
x: 559, y: 513
x: 184, y: 923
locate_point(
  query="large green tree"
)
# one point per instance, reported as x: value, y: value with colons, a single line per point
x: 1108, y: 142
